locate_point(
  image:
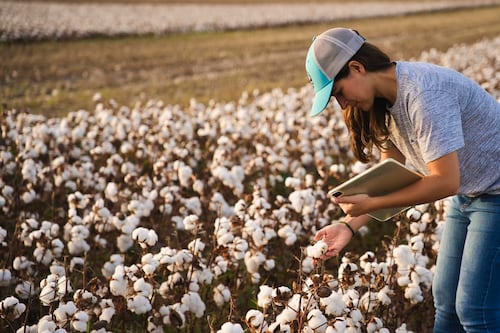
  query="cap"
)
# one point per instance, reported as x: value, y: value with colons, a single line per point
x: 327, y: 55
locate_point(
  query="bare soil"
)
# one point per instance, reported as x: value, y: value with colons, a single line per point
x: 53, y: 78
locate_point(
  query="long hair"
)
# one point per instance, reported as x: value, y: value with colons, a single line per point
x: 368, y: 129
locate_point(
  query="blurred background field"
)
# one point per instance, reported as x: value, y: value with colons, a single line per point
x: 55, y: 77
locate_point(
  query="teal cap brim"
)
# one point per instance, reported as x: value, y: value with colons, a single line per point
x: 322, y: 85
x: 321, y: 99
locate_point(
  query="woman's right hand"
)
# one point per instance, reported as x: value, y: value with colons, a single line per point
x: 336, y: 236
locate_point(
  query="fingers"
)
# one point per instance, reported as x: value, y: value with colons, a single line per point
x: 331, y: 253
x: 339, y: 200
x: 320, y: 235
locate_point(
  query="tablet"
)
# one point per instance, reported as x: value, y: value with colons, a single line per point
x: 383, y: 178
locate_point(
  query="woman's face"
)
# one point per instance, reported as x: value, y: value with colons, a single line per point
x: 354, y: 89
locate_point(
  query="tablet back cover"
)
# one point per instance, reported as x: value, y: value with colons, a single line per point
x: 383, y: 178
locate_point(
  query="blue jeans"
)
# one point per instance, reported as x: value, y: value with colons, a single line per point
x: 466, y: 286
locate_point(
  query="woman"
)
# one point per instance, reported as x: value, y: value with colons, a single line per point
x: 448, y: 128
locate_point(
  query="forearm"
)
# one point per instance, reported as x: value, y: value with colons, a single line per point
x: 443, y: 180
x: 357, y: 222
x: 430, y: 188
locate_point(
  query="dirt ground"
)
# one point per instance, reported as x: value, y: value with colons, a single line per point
x: 53, y: 78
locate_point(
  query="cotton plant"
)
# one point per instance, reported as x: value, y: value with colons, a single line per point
x: 11, y: 308
x: 55, y: 286
x: 339, y: 300
x: 189, y: 208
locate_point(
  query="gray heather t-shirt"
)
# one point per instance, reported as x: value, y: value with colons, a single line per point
x: 438, y: 111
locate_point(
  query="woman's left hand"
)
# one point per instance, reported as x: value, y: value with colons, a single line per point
x: 354, y: 205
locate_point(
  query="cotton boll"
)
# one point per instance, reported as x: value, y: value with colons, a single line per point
x: 28, y: 196
x: 149, y: 264
x: 192, y: 205
x: 415, y: 228
x: 422, y: 207
x: 255, y: 320
x: 404, y: 256
x: 426, y: 218
x: 317, y: 321
x: 259, y: 237
x: 351, y: 297
x: 286, y: 232
x: 230, y: 328
x: 402, y: 329
x: 255, y: 277
x: 269, y: 265
x: 193, y: 302
x: 239, y: 248
x: 417, y: 243
x: 77, y: 246
x: 265, y: 296
x: 286, y: 316
x: 48, y: 294
x: 109, y: 266
x: 333, y: 304
x: 403, y: 280
x: 383, y: 296
x: 107, y: 314
x: 317, y: 250
x: 337, y: 169
x: 279, y: 327
x: 307, y: 265
x: 152, y: 238
x: 191, y: 223
x: 281, y: 295
x: 174, y: 315
x: 64, y: 312
x: 124, y: 242
x: 414, y: 293
x: 111, y: 192
x: 79, y: 321
x: 222, y: 295
x: 413, y: 214
x: 425, y: 275
x: 141, y: 287
x: 11, y: 308
x: 28, y: 329
x: 25, y: 290
x: 5, y: 277
x: 118, y: 285
x: 63, y: 286
x: 184, y: 174
x: 339, y: 326
x: 292, y: 182
x: 374, y: 325
x: 3, y: 232
x: 253, y: 262
x: 196, y: 246
x: 46, y: 324
x: 76, y: 264
x: 139, y: 304
x: 368, y: 301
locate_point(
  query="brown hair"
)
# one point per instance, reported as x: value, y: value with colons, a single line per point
x: 368, y: 129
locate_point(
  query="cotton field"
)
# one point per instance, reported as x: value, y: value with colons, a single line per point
x: 155, y: 218
x: 31, y: 20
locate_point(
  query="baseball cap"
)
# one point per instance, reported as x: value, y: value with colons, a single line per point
x: 327, y: 55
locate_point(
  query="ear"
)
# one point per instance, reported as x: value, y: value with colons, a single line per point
x: 356, y: 66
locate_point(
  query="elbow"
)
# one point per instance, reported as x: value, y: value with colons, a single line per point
x: 451, y: 187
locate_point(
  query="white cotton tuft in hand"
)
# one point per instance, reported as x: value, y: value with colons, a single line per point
x: 317, y: 250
